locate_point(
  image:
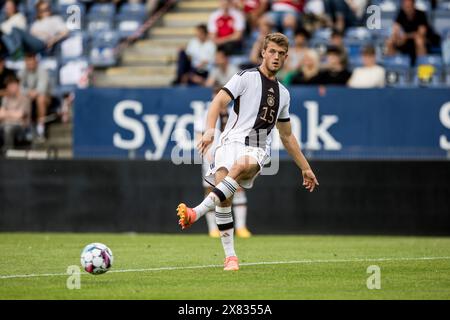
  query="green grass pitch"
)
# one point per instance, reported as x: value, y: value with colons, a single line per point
x: 185, y: 266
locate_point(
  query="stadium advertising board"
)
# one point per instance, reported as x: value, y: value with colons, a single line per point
x: 337, y: 123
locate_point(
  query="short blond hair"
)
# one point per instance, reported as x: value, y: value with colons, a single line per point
x: 278, y: 38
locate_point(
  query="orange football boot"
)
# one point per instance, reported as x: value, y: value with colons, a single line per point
x: 187, y: 216
x: 231, y: 264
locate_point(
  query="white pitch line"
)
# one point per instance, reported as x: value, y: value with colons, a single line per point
x: 241, y: 264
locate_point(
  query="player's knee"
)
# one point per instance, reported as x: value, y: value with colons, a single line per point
x: 238, y: 169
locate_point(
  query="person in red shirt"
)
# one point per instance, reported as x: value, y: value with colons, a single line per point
x: 253, y: 10
x: 226, y: 27
x: 285, y: 14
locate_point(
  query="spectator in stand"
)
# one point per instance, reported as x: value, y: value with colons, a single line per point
x: 14, y: 18
x: 196, y: 61
x: 370, y: 75
x: 334, y: 71
x: 307, y: 71
x: 48, y: 28
x: 409, y: 32
x: 222, y: 72
x: 285, y: 15
x: 300, y: 46
x: 36, y: 86
x: 337, y: 40
x: 226, y: 27
x: 253, y: 10
x: 44, y: 33
x: 14, y: 115
x: 317, y: 15
x: 255, y: 54
x: 5, y: 73
x: 348, y: 13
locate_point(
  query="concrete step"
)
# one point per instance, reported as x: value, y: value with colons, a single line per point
x: 185, y: 19
x: 60, y: 129
x: 65, y: 153
x: 141, y: 71
x: 160, y: 43
x: 198, y: 6
x: 63, y: 142
x: 40, y: 154
x: 154, y: 50
x: 130, y: 59
x: 175, y: 32
x: 133, y: 81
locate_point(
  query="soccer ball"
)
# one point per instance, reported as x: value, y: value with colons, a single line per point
x: 96, y: 258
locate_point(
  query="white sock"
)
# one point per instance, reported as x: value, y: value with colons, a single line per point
x: 208, y: 204
x: 40, y: 129
x: 220, y: 193
x: 211, y: 221
x: 240, y: 209
x: 224, y: 220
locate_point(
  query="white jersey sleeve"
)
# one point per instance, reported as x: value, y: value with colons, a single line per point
x: 284, y: 113
x: 236, y: 86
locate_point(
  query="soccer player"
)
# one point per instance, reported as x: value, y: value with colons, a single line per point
x: 239, y: 198
x: 260, y: 103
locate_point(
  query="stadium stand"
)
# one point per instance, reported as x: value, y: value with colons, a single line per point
x: 136, y: 44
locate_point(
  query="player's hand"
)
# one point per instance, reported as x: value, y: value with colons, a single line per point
x: 309, y: 180
x: 205, y: 142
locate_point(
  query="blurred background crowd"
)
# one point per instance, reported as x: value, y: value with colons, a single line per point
x: 48, y: 49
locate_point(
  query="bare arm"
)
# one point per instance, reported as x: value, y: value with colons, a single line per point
x: 422, y: 31
x: 221, y: 100
x: 396, y: 29
x: 293, y: 148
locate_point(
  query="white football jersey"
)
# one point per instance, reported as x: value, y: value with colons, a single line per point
x: 258, y: 104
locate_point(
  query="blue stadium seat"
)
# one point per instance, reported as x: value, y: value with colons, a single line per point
x: 135, y: 10
x: 99, y: 24
x: 447, y: 77
x: 127, y: 26
x: 110, y: 38
x: 30, y: 4
x: 355, y: 62
x: 358, y: 34
x: 387, y: 19
x: 398, y: 72
x: 446, y: 47
x: 102, y: 10
x: 397, y: 61
x: 72, y: 74
x: 398, y: 78
x: 434, y: 60
x: 323, y: 34
x: 441, y: 21
x: 387, y: 6
x: 74, y: 46
x: 103, y: 49
x: 443, y: 5
x: 355, y: 39
x: 320, y: 39
x: 423, y: 5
